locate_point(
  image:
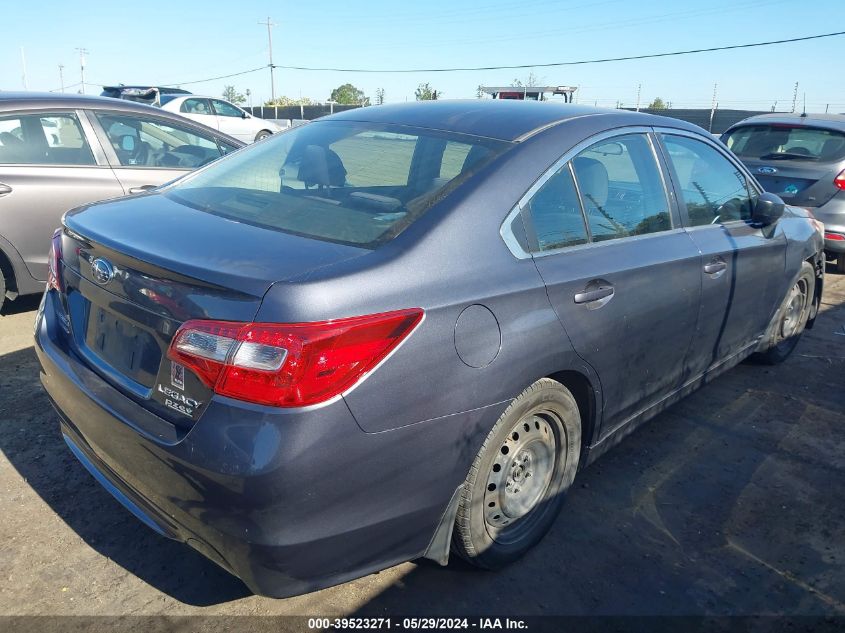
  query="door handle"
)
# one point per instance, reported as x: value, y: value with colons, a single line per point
x: 588, y: 296
x: 4, y: 189
x: 142, y: 188
x: 715, y: 267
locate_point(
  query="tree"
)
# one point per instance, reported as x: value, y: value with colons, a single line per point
x: 425, y: 92
x: 233, y: 96
x: 347, y: 94
x: 530, y: 81
x: 287, y: 101
x: 657, y: 104
x: 379, y: 96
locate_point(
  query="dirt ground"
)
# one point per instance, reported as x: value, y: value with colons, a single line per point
x: 731, y: 502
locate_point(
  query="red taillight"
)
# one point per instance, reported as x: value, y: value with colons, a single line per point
x: 839, y: 181
x: 836, y: 237
x: 54, y: 277
x: 289, y: 365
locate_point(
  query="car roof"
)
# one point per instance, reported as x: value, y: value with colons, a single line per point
x: 23, y: 100
x: 12, y: 101
x: 502, y: 119
x: 831, y: 121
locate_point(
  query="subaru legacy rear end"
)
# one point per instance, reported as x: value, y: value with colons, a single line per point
x: 202, y: 375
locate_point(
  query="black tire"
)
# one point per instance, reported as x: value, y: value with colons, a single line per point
x: 2, y: 291
x: 789, y: 321
x: 840, y: 264
x: 262, y: 135
x: 485, y: 534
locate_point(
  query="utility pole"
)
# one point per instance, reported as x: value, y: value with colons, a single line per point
x: 794, y: 97
x: 23, y: 67
x: 82, y: 53
x: 269, y: 24
x: 639, y: 89
x: 713, y: 108
x: 62, y: 77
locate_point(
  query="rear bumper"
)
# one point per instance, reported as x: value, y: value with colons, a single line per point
x: 832, y: 215
x: 289, y: 502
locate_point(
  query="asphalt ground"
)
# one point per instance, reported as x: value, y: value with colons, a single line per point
x: 729, y: 503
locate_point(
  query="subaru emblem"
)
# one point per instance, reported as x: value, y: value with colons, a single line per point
x: 102, y: 271
x: 767, y: 170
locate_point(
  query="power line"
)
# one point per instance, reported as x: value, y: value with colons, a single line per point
x: 200, y: 81
x: 554, y: 64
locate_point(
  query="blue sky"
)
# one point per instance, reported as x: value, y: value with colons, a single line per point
x: 159, y: 42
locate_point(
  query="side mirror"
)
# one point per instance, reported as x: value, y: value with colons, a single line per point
x: 244, y: 115
x: 768, y: 210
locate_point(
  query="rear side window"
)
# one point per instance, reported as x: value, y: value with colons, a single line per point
x: 714, y: 190
x: 43, y: 139
x: 555, y: 212
x: 348, y: 182
x: 786, y: 142
x: 621, y: 188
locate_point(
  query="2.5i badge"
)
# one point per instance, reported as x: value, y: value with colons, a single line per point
x: 177, y: 375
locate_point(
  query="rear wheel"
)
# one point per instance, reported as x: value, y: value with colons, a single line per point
x: 516, y: 484
x: 789, y: 321
x: 262, y: 135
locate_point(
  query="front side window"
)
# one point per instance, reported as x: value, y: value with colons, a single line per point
x: 43, y: 139
x: 146, y: 142
x: 714, y: 190
x: 340, y: 181
x: 621, y: 188
x: 226, y: 109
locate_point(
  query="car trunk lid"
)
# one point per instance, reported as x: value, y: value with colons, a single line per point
x: 136, y: 269
x: 799, y: 182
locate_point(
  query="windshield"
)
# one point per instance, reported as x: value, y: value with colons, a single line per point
x: 348, y: 182
x: 786, y: 142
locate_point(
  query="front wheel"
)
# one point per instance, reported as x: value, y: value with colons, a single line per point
x: 789, y: 321
x: 516, y: 485
x: 262, y: 135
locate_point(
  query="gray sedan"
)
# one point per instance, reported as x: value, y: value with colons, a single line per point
x: 400, y: 331
x: 800, y: 157
x: 59, y: 151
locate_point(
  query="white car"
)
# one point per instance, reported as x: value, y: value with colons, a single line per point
x: 220, y: 115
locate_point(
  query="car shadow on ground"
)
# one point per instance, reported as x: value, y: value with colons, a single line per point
x: 31, y: 441
x: 20, y: 305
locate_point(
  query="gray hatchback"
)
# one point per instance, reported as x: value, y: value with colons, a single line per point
x: 801, y: 158
x: 60, y: 151
x: 400, y: 331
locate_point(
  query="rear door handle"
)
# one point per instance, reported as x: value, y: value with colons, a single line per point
x: 715, y: 267
x: 594, y: 295
x: 4, y: 189
x: 142, y: 188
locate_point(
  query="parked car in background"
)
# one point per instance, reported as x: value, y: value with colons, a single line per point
x: 801, y: 158
x: 402, y: 330
x: 59, y: 151
x: 221, y: 115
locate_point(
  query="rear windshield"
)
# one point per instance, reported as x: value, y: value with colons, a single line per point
x: 786, y: 142
x: 353, y: 183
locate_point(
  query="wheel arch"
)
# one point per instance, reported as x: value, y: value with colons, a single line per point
x: 8, y: 272
x: 586, y: 396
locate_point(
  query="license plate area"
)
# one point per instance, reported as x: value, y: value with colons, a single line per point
x: 126, y: 348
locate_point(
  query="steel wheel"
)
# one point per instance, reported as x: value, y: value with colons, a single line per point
x: 520, y: 477
x: 517, y: 482
x: 797, y: 303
